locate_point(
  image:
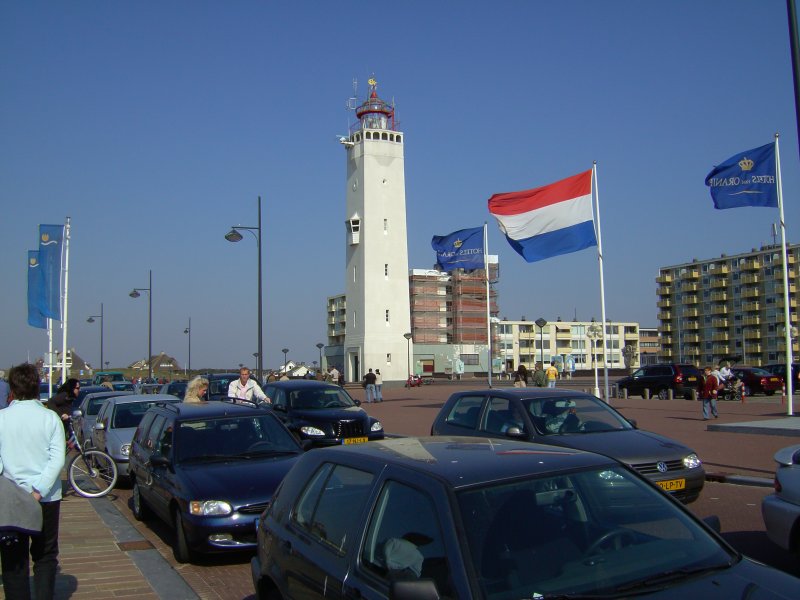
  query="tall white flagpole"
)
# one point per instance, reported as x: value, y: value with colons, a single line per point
x: 49, y: 361
x: 785, y: 260
x: 65, y: 297
x: 488, y: 300
x: 607, y: 397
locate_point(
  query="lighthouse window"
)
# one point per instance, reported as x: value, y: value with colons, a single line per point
x: 386, y: 270
x: 386, y: 226
x: 391, y: 137
x: 358, y: 137
x: 368, y: 135
x: 387, y: 315
x: 385, y: 136
x: 399, y: 138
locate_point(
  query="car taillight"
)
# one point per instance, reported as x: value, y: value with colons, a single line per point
x: 777, y: 486
x: 679, y: 378
x: 763, y: 381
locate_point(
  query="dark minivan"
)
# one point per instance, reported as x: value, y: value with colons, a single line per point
x: 660, y: 378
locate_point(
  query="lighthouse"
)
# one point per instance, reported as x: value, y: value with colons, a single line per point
x: 376, y: 245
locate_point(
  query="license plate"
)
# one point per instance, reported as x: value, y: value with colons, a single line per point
x: 671, y: 485
x: 691, y: 379
x: 356, y: 440
x: 774, y: 379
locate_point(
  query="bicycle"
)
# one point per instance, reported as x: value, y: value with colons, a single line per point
x: 92, y: 473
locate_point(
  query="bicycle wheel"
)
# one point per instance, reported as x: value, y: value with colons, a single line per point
x: 92, y: 474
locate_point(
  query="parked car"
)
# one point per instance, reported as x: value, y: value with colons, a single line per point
x: 451, y: 517
x: 781, y: 509
x: 660, y: 378
x: 102, y: 376
x: 218, y: 384
x: 757, y: 381
x: 323, y: 413
x: 209, y: 470
x: 86, y: 414
x: 123, y: 386
x: 85, y: 391
x: 174, y: 388
x: 780, y: 371
x: 117, y: 421
x: 574, y: 420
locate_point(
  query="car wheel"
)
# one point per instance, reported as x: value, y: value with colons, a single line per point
x: 183, y: 553
x: 770, y: 393
x: 663, y: 394
x: 141, y: 511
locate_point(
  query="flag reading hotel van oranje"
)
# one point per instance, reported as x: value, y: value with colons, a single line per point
x: 462, y: 249
x: 745, y: 179
x: 51, y: 244
x: 35, y: 291
x: 550, y: 220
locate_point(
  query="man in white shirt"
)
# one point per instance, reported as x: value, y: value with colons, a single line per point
x: 245, y: 388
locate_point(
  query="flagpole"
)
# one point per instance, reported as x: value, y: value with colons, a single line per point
x: 602, y: 285
x: 488, y: 311
x: 65, y: 272
x: 785, y: 260
x: 49, y: 357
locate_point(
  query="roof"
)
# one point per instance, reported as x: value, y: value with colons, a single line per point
x: 527, y: 392
x: 466, y: 461
x: 133, y: 398
x: 296, y: 384
x: 213, y: 408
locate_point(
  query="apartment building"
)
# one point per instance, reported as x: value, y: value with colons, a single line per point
x: 731, y: 307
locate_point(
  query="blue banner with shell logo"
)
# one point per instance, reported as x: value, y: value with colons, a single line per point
x: 745, y: 179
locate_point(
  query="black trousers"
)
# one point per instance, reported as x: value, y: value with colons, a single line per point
x: 43, y: 549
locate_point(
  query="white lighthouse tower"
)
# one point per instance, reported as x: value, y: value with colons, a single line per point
x: 376, y: 279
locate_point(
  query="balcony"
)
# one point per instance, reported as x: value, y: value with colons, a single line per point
x: 666, y: 340
x: 691, y: 274
x: 663, y: 290
x: 749, y: 278
x: 719, y: 297
x: 792, y: 288
x: 781, y: 303
x: 751, y: 293
x: 719, y: 323
x: 663, y: 304
x: 753, y: 349
x: 691, y: 312
x: 752, y: 335
x: 720, y: 349
x: 692, y: 338
x: 791, y: 260
x: 751, y: 306
x: 750, y: 265
x: 751, y: 321
x: 718, y: 283
x: 719, y: 309
x: 689, y: 286
x: 720, y: 337
x: 664, y: 316
x: 665, y: 327
x: 692, y: 325
x: 692, y: 351
x: 690, y: 299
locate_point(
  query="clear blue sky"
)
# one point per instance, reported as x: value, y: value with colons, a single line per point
x: 155, y: 125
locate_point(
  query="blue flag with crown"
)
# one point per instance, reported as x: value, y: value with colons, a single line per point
x: 462, y: 249
x: 745, y: 179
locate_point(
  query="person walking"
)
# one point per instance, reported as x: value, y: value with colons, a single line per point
x: 369, y: 386
x: 521, y: 377
x: 378, y: 385
x: 708, y: 394
x: 63, y: 402
x: 32, y: 454
x: 539, y: 378
x: 551, y: 373
x: 196, y: 390
x: 245, y: 388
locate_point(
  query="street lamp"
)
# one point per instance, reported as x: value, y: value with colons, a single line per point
x: 188, y: 331
x: 320, y: 346
x: 285, y: 362
x: 135, y: 294
x: 408, y: 337
x: 91, y: 320
x: 235, y: 236
x: 594, y: 332
x: 540, y: 323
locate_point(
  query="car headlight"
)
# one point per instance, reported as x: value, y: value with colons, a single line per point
x: 209, y: 508
x: 125, y: 449
x: 376, y: 426
x: 692, y: 461
x: 309, y: 430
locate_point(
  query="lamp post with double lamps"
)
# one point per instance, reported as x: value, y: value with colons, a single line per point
x: 91, y: 320
x: 540, y: 323
x: 135, y: 294
x: 188, y: 331
x: 234, y: 235
x: 594, y: 332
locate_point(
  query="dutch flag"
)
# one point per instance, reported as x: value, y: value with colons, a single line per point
x: 550, y: 220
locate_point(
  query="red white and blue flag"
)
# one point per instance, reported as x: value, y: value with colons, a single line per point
x: 550, y: 220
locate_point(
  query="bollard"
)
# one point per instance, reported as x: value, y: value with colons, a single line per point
x: 625, y: 393
x: 646, y: 393
x: 694, y: 395
x: 670, y: 394
x: 744, y: 392
x: 783, y: 394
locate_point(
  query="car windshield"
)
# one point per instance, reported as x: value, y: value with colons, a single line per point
x: 94, y: 404
x: 217, y: 387
x: 232, y: 437
x: 320, y: 398
x: 600, y: 531
x: 573, y: 414
x: 129, y: 414
x: 760, y: 372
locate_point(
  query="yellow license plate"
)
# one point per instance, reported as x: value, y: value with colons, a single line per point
x: 691, y: 379
x: 357, y: 440
x: 671, y: 485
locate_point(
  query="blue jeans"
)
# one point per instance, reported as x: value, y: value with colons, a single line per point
x: 551, y: 383
x: 710, y: 402
x: 370, y: 392
x: 378, y: 393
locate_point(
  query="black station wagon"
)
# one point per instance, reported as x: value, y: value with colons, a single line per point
x: 574, y: 420
x: 464, y: 518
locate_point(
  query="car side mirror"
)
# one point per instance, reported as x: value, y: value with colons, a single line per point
x: 415, y: 589
x: 633, y: 423
x: 515, y: 432
x: 100, y: 426
x: 159, y: 460
x: 77, y: 414
x: 358, y: 402
x: 713, y: 522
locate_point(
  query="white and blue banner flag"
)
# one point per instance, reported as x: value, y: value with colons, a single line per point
x: 35, y: 291
x: 51, y: 243
x: 550, y: 220
x: 462, y: 249
x: 745, y: 179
